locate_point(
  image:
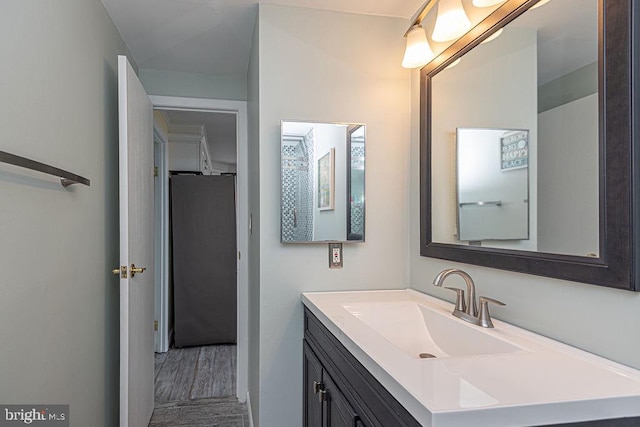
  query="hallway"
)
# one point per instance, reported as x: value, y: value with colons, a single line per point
x: 196, y: 386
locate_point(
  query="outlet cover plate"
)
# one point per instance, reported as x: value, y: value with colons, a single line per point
x: 335, y: 255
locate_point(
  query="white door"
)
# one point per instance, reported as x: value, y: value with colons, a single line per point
x: 136, y: 249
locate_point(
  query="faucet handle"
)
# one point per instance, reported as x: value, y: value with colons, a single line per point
x: 460, y: 304
x: 484, y: 318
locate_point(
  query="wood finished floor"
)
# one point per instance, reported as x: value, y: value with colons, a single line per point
x: 214, y: 412
x: 196, y: 386
x: 195, y: 373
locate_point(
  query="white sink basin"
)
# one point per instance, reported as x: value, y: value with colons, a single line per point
x: 483, y: 377
x: 422, y: 332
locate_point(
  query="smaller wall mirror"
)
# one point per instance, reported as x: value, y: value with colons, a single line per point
x: 492, y: 176
x: 322, y: 182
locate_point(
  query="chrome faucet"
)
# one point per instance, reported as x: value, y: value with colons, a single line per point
x: 468, y: 309
x: 469, y: 306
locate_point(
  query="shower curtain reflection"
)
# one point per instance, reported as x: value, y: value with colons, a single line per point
x: 297, y: 181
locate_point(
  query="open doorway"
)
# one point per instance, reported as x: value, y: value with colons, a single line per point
x: 201, y: 141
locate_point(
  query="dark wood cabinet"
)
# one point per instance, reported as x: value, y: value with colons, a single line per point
x: 338, y: 412
x: 324, y: 404
x: 338, y: 390
x: 313, y: 407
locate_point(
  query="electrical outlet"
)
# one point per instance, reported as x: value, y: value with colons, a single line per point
x: 335, y: 255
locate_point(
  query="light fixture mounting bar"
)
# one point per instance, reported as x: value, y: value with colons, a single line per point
x: 420, y: 14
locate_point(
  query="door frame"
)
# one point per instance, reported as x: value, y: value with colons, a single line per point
x: 161, y: 240
x: 239, y: 108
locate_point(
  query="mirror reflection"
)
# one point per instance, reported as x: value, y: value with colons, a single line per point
x: 493, y: 189
x: 355, y: 210
x: 540, y: 76
x: 322, y: 175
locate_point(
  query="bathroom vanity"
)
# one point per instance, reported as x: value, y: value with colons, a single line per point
x: 338, y: 390
x: 399, y: 358
x: 489, y: 100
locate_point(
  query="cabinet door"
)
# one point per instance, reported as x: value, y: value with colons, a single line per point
x: 338, y: 412
x: 312, y: 384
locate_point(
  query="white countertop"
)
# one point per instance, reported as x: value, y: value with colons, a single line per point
x: 546, y: 383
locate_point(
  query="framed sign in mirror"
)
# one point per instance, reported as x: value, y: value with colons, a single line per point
x: 558, y: 85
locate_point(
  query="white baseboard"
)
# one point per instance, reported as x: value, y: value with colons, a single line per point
x: 248, y: 402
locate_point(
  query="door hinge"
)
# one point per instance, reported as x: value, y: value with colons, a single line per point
x: 155, y: 325
x: 155, y: 171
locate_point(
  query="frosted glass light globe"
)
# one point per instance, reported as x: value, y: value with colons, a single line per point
x: 418, y: 51
x: 451, y: 22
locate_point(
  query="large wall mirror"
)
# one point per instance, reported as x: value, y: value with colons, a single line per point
x: 529, y: 150
x: 322, y: 176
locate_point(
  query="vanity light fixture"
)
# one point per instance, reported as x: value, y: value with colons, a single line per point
x: 418, y: 51
x: 487, y: 3
x: 451, y: 22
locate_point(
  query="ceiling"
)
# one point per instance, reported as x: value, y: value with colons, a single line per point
x: 567, y: 36
x: 220, y: 131
x: 214, y: 36
x: 296, y: 128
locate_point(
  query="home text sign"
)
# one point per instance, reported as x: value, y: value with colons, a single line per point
x: 515, y: 150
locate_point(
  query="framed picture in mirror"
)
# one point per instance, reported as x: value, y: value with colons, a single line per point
x: 326, y: 180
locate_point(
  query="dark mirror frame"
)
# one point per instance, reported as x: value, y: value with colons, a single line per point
x: 351, y: 236
x: 619, y: 176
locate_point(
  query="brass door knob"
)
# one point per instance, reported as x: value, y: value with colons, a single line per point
x: 135, y: 270
x: 122, y: 272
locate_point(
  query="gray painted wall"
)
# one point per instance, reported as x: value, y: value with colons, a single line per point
x: 193, y: 85
x: 332, y: 67
x: 600, y: 320
x: 568, y: 88
x: 59, y: 304
x: 568, y: 211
